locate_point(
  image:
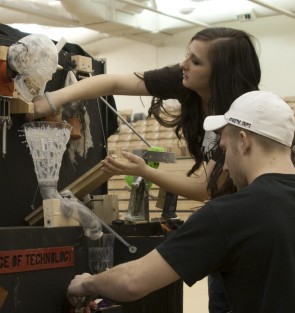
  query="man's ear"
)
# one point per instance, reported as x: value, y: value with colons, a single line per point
x: 244, y: 141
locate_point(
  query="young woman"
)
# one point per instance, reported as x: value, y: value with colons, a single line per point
x: 221, y: 64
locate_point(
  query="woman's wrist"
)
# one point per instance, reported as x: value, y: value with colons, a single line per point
x: 53, y: 107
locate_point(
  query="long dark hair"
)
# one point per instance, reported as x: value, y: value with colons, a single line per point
x: 235, y: 70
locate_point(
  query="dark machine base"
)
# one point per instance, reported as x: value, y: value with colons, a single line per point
x: 37, y: 264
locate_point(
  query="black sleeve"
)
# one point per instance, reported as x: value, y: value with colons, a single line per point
x: 165, y: 83
x: 197, y: 248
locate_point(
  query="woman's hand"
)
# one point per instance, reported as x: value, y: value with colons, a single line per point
x: 41, y: 108
x: 135, y: 166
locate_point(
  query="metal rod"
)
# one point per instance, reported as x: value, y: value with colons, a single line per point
x: 4, y: 122
x: 132, y: 249
x: 121, y: 118
x: 4, y: 136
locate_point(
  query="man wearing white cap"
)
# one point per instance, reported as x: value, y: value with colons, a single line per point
x: 249, y: 236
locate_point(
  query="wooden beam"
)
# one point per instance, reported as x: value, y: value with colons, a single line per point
x: 80, y: 188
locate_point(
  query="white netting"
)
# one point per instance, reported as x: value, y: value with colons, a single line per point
x: 47, y: 142
x: 35, y: 59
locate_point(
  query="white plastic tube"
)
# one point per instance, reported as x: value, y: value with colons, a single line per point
x: 72, y: 207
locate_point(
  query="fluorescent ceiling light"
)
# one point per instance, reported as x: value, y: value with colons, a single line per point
x: 204, y: 7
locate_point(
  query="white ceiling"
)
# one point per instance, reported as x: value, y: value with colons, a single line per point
x: 148, y: 21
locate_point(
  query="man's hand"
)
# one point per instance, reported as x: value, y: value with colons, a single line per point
x: 76, y: 292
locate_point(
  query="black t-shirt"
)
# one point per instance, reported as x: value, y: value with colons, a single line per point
x: 166, y: 83
x: 249, y: 237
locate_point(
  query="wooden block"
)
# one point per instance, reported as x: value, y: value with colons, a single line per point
x: 105, y: 207
x: 53, y: 216
x: 84, y: 64
x: 3, y: 52
x: 20, y: 106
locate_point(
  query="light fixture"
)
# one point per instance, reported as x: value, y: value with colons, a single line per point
x: 246, y: 17
x: 186, y: 10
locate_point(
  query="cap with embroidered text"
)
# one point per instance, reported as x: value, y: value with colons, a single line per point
x: 261, y: 112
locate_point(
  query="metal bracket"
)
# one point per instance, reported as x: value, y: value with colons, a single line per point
x: 156, y: 156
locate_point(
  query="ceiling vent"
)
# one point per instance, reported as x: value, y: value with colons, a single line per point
x: 246, y: 17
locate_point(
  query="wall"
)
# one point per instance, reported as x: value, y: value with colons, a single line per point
x: 276, y: 36
x: 128, y: 56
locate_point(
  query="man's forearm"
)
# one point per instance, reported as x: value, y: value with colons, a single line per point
x: 115, y: 284
x: 125, y: 282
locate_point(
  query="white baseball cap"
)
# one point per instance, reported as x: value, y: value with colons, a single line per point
x: 261, y: 112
